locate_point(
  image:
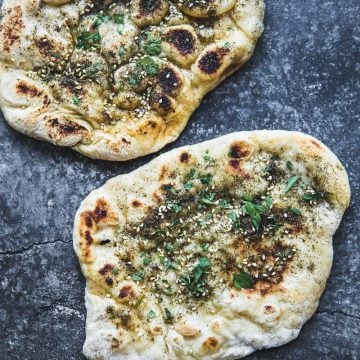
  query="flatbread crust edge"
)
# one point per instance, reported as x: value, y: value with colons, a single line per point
x: 28, y: 105
x: 303, y: 301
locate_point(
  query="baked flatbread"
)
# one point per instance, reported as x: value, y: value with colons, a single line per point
x: 210, y: 251
x: 117, y: 79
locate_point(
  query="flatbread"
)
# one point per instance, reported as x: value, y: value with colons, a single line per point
x: 210, y: 251
x: 117, y: 80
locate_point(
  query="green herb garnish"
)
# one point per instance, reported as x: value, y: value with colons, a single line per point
x: 115, y: 270
x: 291, y: 183
x: 169, y: 316
x: 235, y: 220
x: 150, y: 315
x: 153, y: 45
x: 86, y: 39
x: 119, y: 19
x: 194, y: 281
x: 206, y: 179
x: 209, y: 198
x: 99, y: 19
x: 242, y: 280
x: 122, y: 52
x: 317, y: 195
x: 138, y: 276
x: 148, y: 65
x: 204, y: 246
x: 254, y: 211
x: 296, y: 211
x: 76, y: 101
x: 188, y: 186
x: 289, y: 165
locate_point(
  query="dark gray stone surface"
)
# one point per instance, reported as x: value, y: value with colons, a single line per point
x: 305, y: 75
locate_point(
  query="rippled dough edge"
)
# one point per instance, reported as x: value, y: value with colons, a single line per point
x: 242, y: 324
x: 29, y: 105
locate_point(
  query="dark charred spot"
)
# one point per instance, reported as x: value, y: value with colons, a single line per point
x: 100, y: 211
x: 168, y: 80
x: 182, y: 39
x: 160, y: 102
x: 12, y: 29
x: 269, y: 309
x: 88, y: 221
x: 115, y: 343
x: 24, y: 88
x: 107, y: 268
x: 46, y: 47
x: 88, y: 237
x: 234, y: 163
x: 125, y: 141
x: 184, y: 157
x: 125, y: 319
x: 109, y: 281
x: 104, y: 242
x: 239, y: 150
x: 149, y: 6
x: 70, y: 84
x: 136, y: 203
x: 67, y: 128
x: 127, y: 292
x: 212, y: 60
x: 152, y: 124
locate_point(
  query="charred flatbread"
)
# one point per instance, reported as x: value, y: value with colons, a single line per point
x: 117, y: 79
x: 210, y: 251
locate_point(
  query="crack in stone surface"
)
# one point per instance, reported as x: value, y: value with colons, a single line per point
x: 31, y: 246
x: 330, y: 311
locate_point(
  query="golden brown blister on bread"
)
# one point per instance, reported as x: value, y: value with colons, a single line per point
x: 102, y: 67
x: 216, y: 249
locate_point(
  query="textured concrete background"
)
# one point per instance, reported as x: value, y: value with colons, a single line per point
x: 304, y: 76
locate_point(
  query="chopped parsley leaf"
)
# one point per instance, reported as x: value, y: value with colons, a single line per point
x: 291, y: 183
x: 194, y: 281
x: 122, y: 52
x: 119, y: 19
x: 296, y: 211
x: 150, y: 315
x: 169, y: 316
x: 115, y: 270
x: 204, y: 246
x: 242, y: 280
x: 87, y: 39
x: 138, y: 276
x: 254, y: 211
x: 153, y: 45
x: 235, y: 220
x: 188, y: 186
x: 206, y: 180
x: 209, y: 198
x: 289, y: 165
x: 317, y: 195
x: 76, y: 101
x: 99, y: 19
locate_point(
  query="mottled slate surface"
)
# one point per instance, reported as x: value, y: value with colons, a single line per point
x: 305, y: 75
